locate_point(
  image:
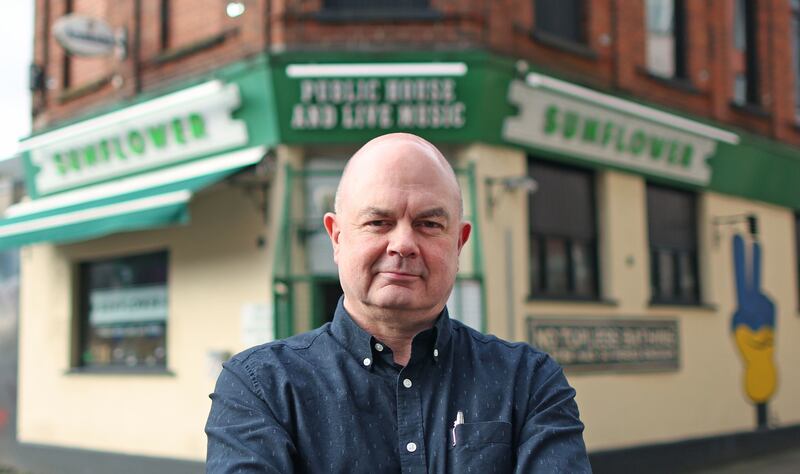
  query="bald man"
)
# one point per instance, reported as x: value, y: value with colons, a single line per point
x: 393, y: 384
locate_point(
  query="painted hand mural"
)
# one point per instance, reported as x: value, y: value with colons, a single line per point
x: 753, y: 323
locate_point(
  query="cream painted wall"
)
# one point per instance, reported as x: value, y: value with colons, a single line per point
x: 705, y: 396
x: 496, y: 225
x: 215, y: 266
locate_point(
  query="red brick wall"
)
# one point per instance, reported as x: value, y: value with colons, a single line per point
x: 613, y: 57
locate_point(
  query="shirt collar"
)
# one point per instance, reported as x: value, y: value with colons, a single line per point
x: 360, y: 344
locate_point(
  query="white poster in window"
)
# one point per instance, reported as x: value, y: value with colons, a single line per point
x: 465, y: 303
x: 257, y: 324
x: 128, y: 305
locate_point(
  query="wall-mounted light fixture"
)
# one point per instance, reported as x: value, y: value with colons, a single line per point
x: 234, y: 9
x: 507, y: 184
x: 751, y: 220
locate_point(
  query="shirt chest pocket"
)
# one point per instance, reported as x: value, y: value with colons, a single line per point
x: 483, y: 447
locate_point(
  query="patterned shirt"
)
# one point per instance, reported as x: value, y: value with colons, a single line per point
x: 333, y: 401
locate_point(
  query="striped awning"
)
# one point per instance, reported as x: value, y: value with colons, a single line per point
x: 155, y: 199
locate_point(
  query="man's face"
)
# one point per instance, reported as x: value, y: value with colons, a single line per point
x: 398, y: 232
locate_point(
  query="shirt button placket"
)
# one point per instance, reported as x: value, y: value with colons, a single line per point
x: 409, y: 427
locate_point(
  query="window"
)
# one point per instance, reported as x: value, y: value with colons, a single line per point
x: 666, y: 39
x: 123, y: 312
x: 562, y: 19
x: 796, y: 55
x: 745, y: 52
x: 672, y: 226
x: 563, y: 240
x: 163, y: 27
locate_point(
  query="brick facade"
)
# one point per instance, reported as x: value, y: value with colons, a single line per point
x: 200, y: 37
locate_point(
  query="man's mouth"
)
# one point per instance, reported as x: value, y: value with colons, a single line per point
x: 399, y: 276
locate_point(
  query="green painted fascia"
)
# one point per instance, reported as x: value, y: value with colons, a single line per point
x: 758, y: 169
x: 483, y: 89
x: 256, y: 110
x: 192, y: 184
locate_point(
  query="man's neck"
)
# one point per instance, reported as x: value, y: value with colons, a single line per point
x: 395, y: 330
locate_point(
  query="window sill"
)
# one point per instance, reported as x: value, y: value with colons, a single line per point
x: 378, y: 14
x: 683, y: 305
x: 571, y: 300
x: 755, y: 110
x: 157, y: 371
x: 553, y: 41
x: 174, y: 54
x: 680, y: 83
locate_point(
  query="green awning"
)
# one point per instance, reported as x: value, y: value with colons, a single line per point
x: 145, y: 201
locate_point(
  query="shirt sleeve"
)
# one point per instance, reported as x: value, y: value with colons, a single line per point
x: 551, y: 439
x: 243, y: 434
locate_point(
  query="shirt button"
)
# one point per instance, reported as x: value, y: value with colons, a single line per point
x: 407, y: 383
x: 411, y: 447
x: 378, y: 346
x: 436, y: 352
x: 367, y: 361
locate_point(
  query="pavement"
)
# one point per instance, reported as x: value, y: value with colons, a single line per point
x: 783, y: 462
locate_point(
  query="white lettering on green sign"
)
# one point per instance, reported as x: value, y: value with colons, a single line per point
x: 377, y: 104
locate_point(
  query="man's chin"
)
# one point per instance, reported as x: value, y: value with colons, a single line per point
x: 398, y: 299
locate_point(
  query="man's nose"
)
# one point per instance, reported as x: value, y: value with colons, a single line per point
x: 402, y: 242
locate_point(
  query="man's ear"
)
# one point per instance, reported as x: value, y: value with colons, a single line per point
x: 463, y: 235
x: 332, y: 227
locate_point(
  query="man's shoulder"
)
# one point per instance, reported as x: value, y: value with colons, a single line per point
x: 281, y: 348
x: 494, y: 344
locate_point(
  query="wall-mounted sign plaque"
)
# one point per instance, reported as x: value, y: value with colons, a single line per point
x: 608, y: 344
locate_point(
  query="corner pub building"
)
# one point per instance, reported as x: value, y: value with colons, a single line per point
x: 633, y: 176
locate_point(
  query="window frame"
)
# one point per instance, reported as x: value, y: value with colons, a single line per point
x: 539, y: 238
x: 82, y: 323
x: 678, y: 33
x: 750, y: 54
x: 164, y: 29
x: 693, y: 253
x: 559, y: 38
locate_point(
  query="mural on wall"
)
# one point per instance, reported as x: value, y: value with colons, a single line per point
x: 753, y: 326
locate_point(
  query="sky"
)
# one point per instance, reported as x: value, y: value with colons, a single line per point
x: 16, y: 51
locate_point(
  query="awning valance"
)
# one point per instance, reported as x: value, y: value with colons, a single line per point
x: 145, y: 201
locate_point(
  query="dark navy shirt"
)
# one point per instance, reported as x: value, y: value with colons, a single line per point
x: 333, y: 401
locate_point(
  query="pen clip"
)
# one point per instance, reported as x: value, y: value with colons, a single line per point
x: 459, y: 421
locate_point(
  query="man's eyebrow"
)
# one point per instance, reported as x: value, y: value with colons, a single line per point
x: 435, y: 212
x: 374, y: 212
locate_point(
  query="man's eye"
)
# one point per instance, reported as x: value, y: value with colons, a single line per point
x: 431, y: 225
x: 378, y: 223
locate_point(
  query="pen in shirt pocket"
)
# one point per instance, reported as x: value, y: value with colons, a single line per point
x: 459, y: 421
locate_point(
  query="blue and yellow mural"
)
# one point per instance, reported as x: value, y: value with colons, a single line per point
x: 753, y: 324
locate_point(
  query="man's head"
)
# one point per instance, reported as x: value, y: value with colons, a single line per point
x: 398, y: 230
